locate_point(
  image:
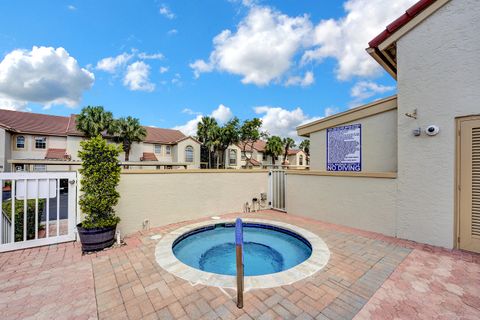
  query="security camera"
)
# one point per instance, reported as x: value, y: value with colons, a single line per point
x: 432, y: 130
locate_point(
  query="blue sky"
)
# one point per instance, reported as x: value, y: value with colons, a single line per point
x: 168, y: 62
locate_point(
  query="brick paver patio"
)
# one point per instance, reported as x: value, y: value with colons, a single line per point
x: 369, y: 276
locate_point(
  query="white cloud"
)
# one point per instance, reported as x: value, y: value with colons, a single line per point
x: 345, y: 39
x: 307, y: 80
x: 190, y: 128
x: 43, y: 75
x: 222, y: 114
x: 172, y: 32
x: 166, y: 12
x: 71, y: 7
x: 146, y: 56
x: 330, y: 111
x: 112, y: 64
x: 163, y: 69
x: 190, y: 112
x: 262, y: 48
x: 282, y: 122
x: 363, y: 90
x: 10, y: 104
x: 177, y: 79
x: 137, y: 77
x: 200, y: 66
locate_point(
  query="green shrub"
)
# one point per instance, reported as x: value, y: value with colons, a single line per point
x: 7, y: 208
x: 100, y: 177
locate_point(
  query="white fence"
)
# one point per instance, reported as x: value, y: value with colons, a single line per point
x: 37, y: 208
x: 277, y: 184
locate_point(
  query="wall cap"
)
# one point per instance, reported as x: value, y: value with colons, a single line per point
x: 384, y: 175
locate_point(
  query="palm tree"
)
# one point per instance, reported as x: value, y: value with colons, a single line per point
x: 127, y: 131
x: 207, y: 134
x: 305, y: 146
x: 288, y: 143
x: 229, y: 134
x: 94, y: 120
x: 274, y: 147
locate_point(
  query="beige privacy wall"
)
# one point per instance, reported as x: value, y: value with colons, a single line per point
x: 168, y: 197
x: 359, y: 202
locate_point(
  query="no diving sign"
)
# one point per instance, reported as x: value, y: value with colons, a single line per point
x: 344, y: 148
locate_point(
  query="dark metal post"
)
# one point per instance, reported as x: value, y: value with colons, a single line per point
x: 239, y: 250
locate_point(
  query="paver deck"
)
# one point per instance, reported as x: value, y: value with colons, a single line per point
x: 369, y: 276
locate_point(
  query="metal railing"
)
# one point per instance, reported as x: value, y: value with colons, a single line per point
x: 39, y: 211
x: 239, y: 255
x: 6, y: 226
x: 277, y: 189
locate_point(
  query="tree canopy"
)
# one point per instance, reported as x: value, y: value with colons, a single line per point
x: 305, y: 146
x: 274, y: 147
x: 288, y: 143
x: 95, y: 120
x: 127, y: 131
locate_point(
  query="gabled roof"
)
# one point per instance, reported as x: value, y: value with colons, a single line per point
x: 254, y: 163
x: 383, y: 48
x: 258, y: 145
x: 148, y: 156
x: 33, y: 123
x: 294, y: 151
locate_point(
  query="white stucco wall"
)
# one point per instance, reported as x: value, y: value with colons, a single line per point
x: 29, y: 152
x: 73, y: 146
x: 174, y: 196
x: 364, y: 203
x: 379, y: 144
x: 3, y: 139
x: 180, y: 152
x: 439, y: 75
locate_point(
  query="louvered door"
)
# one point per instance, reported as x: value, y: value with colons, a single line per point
x: 469, y: 185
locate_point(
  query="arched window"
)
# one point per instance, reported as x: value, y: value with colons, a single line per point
x: 233, y: 157
x: 20, y: 142
x: 188, y: 154
x: 300, y: 160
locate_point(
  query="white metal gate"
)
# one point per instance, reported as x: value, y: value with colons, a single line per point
x: 277, y: 186
x: 37, y: 208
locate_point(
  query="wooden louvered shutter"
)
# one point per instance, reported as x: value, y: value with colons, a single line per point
x: 469, y: 193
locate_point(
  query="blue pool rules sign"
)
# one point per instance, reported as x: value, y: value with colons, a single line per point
x: 344, y: 148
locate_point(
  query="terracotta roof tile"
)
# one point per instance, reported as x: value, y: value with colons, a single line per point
x: 148, y: 156
x: 400, y: 22
x: 293, y: 151
x: 258, y: 145
x: 160, y: 135
x: 254, y: 162
x: 34, y: 123
x: 57, y: 154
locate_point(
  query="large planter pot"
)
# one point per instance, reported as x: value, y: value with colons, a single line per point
x: 97, y: 238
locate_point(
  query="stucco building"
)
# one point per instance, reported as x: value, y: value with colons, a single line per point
x: 38, y: 142
x: 255, y: 156
x: 408, y: 165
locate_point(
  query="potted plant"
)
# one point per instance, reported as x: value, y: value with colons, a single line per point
x: 100, y: 175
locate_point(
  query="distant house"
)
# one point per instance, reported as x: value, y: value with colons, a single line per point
x: 256, y: 157
x: 38, y: 142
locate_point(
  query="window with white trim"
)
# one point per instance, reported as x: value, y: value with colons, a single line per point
x: 20, y: 143
x: 39, y: 167
x: 158, y: 148
x: 300, y: 160
x: 168, y: 150
x: 40, y: 142
x: 233, y: 157
x: 188, y: 154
